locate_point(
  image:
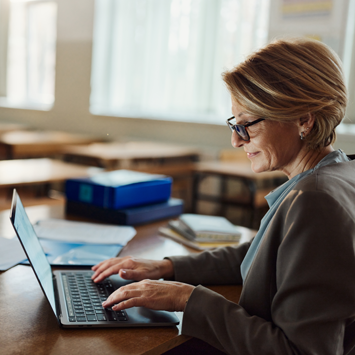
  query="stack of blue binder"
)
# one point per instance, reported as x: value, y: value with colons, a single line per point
x: 122, y: 197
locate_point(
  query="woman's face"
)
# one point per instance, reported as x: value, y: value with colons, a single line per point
x: 272, y: 145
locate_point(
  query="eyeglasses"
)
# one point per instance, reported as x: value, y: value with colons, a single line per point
x: 241, y: 128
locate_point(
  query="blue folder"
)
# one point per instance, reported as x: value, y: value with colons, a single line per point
x: 119, y: 189
x: 129, y: 216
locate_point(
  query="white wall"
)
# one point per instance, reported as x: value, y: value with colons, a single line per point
x: 330, y: 29
x: 71, y: 109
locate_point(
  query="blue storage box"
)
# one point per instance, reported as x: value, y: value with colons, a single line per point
x: 119, y: 189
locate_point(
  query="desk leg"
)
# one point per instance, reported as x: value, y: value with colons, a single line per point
x: 5, y: 152
x: 223, y: 194
x: 195, y: 184
x: 9, y: 152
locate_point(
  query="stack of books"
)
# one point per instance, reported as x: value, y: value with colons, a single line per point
x: 202, y: 232
x: 122, y: 197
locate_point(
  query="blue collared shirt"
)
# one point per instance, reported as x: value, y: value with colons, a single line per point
x: 274, y: 199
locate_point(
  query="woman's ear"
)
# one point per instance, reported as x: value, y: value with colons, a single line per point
x: 306, y: 124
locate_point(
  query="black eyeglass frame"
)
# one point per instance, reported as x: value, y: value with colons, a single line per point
x: 233, y: 127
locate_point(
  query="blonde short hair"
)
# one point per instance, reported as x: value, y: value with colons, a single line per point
x: 289, y: 78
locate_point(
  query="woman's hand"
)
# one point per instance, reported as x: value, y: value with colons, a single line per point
x: 130, y: 268
x: 160, y: 295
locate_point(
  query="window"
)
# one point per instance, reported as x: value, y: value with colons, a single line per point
x: 4, y: 10
x: 164, y: 58
x: 29, y: 59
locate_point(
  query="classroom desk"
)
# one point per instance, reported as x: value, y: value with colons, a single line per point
x: 35, y: 144
x: 253, y: 196
x: 131, y: 155
x: 20, y: 172
x: 8, y: 127
x: 32, y: 328
x: 37, y: 177
x: 150, y: 157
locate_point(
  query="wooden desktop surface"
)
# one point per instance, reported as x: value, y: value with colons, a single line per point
x: 28, y: 325
x: 236, y: 168
x: 26, y: 144
x: 38, y: 171
x: 8, y: 127
x: 118, y: 155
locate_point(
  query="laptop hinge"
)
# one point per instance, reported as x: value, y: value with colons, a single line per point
x: 57, y: 303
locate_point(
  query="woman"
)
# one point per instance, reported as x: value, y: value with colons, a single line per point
x: 298, y: 273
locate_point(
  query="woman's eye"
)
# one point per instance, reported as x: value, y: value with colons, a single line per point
x: 252, y: 128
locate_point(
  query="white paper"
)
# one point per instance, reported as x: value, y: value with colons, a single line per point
x: 83, y: 232
x: 123, y: 177
x: 11, y: 253
x: 87, y: 254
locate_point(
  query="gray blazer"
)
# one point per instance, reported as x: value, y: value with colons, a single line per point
x: 299, y: 294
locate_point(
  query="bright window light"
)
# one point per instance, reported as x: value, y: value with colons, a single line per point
x: 163, y: 59
x: 30, y: 65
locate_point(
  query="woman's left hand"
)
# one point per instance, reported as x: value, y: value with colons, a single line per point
x: 153, y: 294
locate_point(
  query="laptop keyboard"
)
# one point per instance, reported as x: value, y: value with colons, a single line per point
x: 84, y: 299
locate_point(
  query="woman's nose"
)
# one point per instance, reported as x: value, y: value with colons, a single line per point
x: 236, y: 141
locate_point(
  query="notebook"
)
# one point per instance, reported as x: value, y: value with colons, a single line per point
x: 203, y: 228
x: 73, y: 297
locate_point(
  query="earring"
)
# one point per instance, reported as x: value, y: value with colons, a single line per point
x: 302, y: 136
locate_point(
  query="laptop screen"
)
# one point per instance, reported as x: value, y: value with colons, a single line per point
x: 32, y: 248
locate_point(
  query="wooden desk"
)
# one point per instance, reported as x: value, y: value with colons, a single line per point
x: 8, y: 127
x: 38, y: 174
x: 251, y: 199
x: 151, y: 157
x: 35, y: 144
x: 131, y: 155
x: 40, y: 171
x: 234, y: 168
x: 32, y: 328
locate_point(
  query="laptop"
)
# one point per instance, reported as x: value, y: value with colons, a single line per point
x: 73, y: 297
